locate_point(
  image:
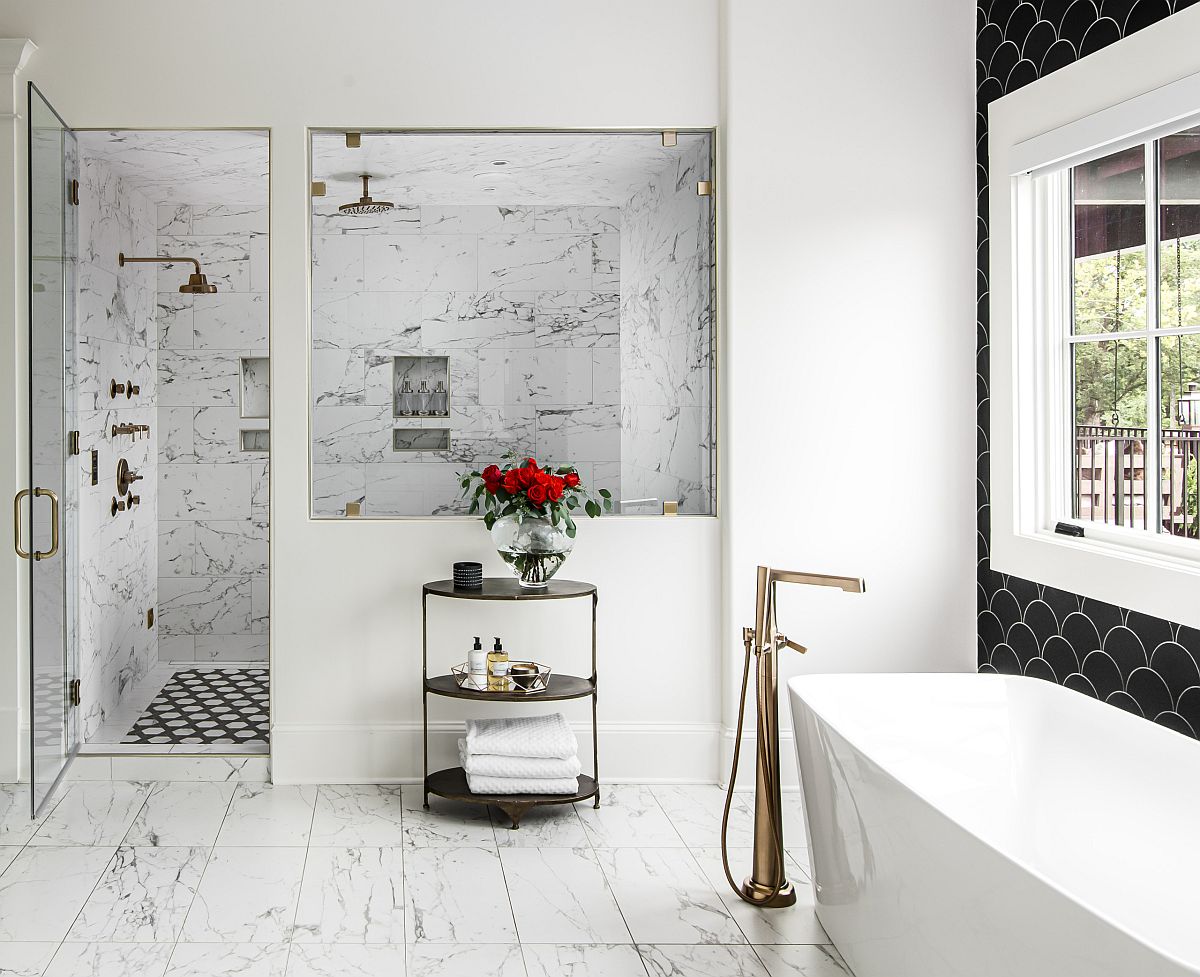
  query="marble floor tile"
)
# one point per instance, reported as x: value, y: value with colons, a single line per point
x: 352, y: 895
x: 143, y: 896
x: 16, y: 826
x: 456, y: 895
x: 582, y: 960
x: 559, y: 895
x: 802, y: 961
x: 228, y: 960
x: 629, y: 816
x: 25, y: 959
x: 795, y: 924
x: 110, y: 960
x: 181, y: 814
x: 702, y: 961
x: 465, y: 960
x: 802, y: 857
x: 93, y: 813
x: 553, y: 826
x: 7, y: 857
x: 43, y: 889
x: 357, y: 814
x: 268, y: 815
x: 695, y: 812
x: 665, y: 897
x: 345, y: 960
x: 247, y: 895
x: 447, y: 824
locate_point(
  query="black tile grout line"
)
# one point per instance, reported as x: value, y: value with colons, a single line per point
x: 287, y: 960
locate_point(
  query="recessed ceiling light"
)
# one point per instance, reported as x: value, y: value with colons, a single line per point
x: 499, y: 162
x: 489, y: 189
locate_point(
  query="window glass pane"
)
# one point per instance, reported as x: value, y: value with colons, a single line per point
x: 1109, y: 203
x: 1179, y: 392
x: 1179, y: 254
x: 1110, y: 432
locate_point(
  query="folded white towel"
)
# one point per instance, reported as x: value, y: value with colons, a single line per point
x: 518, y: 767
x: 510, y: 785
x: 523, y: 736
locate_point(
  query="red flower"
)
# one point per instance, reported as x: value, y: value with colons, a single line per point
x: 572, y: 479
x: 554, y: 490
x: 491, y: 473
x: 512, y: 482
x: 537, y: 493
x: 530, y: 463
x: 525, y: 477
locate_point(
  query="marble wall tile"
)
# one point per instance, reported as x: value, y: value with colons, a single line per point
x: 204, y: 492
x: 204, y: 605
x: 491, y: 432
x: 579, y: 433
x: 176, y: 548
x: 260, y: 489
x: 260, y: 263
x: 577, y: 220
x: 478, y: 320
x: 174, y: 219
x: 231, y: 320
x: 578, y: 318
x: 328, y: 220
x: 260, y: 604
x: 224, y: 258
x: 351, y: 434
x: 474, y: 219
x: 422, y: 263
x: 536, y: 376
x: 230, y: 548
x: 606, y: 262
x: 173, y: 313
x: 606, y: 376
x: 175, y: 434
x: 224, y: 219
x: 335, y: 485
x: 215, y: 434
x: 255, y: 385
x: 542, y: 261
x: 176, y: 647
x: 365, y: 320
x: 337, y: 263
x: 198, y: 378
x: 232, y: 647
x: 395, y: 490
x: 338, y: 378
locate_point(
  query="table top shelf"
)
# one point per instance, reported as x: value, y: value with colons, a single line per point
x: 507, y: 588
x: 558, y: 687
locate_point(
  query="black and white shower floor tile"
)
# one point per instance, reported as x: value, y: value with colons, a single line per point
x: 207, y: 705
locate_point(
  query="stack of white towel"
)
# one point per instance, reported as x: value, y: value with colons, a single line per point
x: 525, y: 755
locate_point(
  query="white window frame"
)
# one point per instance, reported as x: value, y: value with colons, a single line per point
x: 1127, y: 94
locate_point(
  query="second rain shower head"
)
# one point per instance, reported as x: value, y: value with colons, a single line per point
x: 364, y: 204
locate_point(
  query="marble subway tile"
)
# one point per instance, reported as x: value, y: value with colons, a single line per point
x: 225, y: 260
x: 537, y: 376
x: 570, y: 434
x: 559, y: 895
x: 365, y: 320
x: 577, y: 220
x: 191, y: 492
x: 351, y: 895
x: 344, y: 435
x: 606, y: 262
x: 247, y: 895
x: 198, y: 378
x: 476, y: 219
x: 204, y: 605
x: 337, y: 263
x: 491, y: 432
x: 225, y: 219
x: 216, y: 434
x: 230, y: 548
x: 174, y: 317
x: 231, y: 320
x: 478, y: 320
x: 176, y: 548
x: 174, y: 218
x: 606, y: 376
x: 175, y: 434
x: 334, y: 486
x: 43, y: 889
x: 422, y: 263
x: 232, y: 647
x: 456, y: 895
x: 180, y: 814
x: 403, y: 219
x: 546, y: 261
x: 578, y: 318
x: 338, y: 378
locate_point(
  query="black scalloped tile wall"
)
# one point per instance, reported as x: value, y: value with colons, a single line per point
x: 1138, y: 663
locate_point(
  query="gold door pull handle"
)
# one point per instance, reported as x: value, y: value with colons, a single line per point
x: 22, y: 553
x: 37, y: 554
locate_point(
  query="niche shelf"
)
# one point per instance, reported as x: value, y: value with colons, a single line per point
x: 421, y: 439
x: 414, y: 369
x: 256, y: 440
x: 256, y: 386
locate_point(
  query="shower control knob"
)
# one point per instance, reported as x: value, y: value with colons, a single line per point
x: 118, y: 505
x: 134, y: 500
x: 126, y: 476
x: 128, y: 388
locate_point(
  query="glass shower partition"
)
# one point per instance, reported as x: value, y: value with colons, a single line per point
x: 51, y: 509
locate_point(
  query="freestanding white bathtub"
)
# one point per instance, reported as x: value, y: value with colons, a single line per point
x: 992, y: 826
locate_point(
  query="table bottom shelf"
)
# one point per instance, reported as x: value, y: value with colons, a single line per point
x: 452, y: 785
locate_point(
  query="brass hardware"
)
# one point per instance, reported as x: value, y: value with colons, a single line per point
x: 118, y: 505
x: 95, y: 473
x: 197, y: 284
x: 22, y: 553
x: 149, y: 618
x: 48, y: 493
x: 767, y: 884
x: 131, y: 429
x: 671, y: 508
x: 73, y: 192
x: 704, y: 188
x: 670, y: 139
x: 364, y: 204
x: 72, y: 442
x: 318, y: 188
x: 353, y: 140
x: 128, y: 388
x: 353, y: 509
x: 134, y: 500
x: 126, y: 476
x: 74, y: 696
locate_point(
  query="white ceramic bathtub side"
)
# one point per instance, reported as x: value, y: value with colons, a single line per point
x: 991, y: 826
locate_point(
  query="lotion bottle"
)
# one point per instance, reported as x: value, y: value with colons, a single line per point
x: 477, y: 666
x: 497, y: 659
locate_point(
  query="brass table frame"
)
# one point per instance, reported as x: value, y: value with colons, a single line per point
x: 451, y: 783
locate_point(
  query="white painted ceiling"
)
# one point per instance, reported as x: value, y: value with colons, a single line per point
x: 583, y: 168
x: 187, y: 167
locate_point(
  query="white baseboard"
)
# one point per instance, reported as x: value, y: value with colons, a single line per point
x: 382, y: 753
x: 789, y: 778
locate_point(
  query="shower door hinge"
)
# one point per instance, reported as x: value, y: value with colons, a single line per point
x: 704, y: 188
x: 73, y: 693
x: 318, y: 188
x: 670, y: 138
x: 72, y: 442
x: 73, y: 192
x: 149, y: 618
x: 353, y: 140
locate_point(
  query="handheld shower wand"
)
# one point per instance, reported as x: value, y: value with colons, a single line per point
x: 767, y: 884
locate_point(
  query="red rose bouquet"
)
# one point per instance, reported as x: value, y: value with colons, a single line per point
x: 526, y: 486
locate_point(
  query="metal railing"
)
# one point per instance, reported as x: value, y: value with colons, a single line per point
x: 1111, y: 484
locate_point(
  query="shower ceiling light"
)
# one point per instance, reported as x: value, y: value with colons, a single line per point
x: 364, y: 204
x: 197, y: 283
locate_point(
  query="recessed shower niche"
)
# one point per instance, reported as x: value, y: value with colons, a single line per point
x: 545, y: 294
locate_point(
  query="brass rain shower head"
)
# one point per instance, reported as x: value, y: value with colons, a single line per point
x: 364, y: 204
x: 197, y: 283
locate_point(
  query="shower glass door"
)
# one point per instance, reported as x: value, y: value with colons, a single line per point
x: 51, y: 506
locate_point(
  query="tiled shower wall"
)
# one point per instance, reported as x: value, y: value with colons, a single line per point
x: 213, y: 515
x: 1142, y: 664
x: 118, y: 557
x: 667, y: 377
x: 523, y: 302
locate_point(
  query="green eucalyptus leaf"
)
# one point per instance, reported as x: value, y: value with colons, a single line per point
x: 474, y: 507
x: 605, y: 493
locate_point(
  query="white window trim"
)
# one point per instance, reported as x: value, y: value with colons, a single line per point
x: 1146, y: 86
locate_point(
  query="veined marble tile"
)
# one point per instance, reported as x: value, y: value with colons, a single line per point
x: 25, y: 959
x: 553, y: 826
x: 403, y: 219
x: 225, y: 219
x: 367, y: 320
x: 174, y: 317
x: 180, y: 814
x: 667, y: 439
x: 357, y: 815
x: 174, y: 218
x: 229, y: 960
x: 92, y: 814
x: 454, y: 895
x: 606, y: 262
x: 629, y: 816
x: 447, y: 824
x: 351, y: 895
x: 255, y: 386
x: 234, y: 548
x: 490, y: 432
x: 476, y: 219
x: 577, y: 220
x: 671, y: 370
x: 260, y: 489
x: 559, y: 895
x: 535, y: 376
x: 216, y: 434
x: 16, y: 826
x: 396, y: 489
x: 42, y: 891
x: 582, y: 960
x: 231, y: 320
x: 571, y: 434
x: 225, y: 259
x: 175, y: 434
x: 702, y: 961
x: 578, y: 318
x: 465, y: 960
x: 606, y: 376
x: 114, y: 307
x: 803, y: 961
x: 204, y: 605
x: 203, y: 492
x: 198, y: 378
x: 338, y: 378
x: 334, y: 486
x: 795, y: 924
x: 344, y: 435
x: 142, y: 897
x: 260, y: 263
x: 541, y: 261
x: 268, y: 815
x: 422, y: 263
x: 665, y: 897
x: 110, y: 960
x: 232, y: 647
x: 7, y: 856
x: 176, y: 548
x: 243, y: 769
x: 260, y: 604
x: 337, y: 263
x: 345, y: 960
x: 100, y: 361
x: 478, y: 320
x: 176, y: 647
x: 247, y: 895
x: 695, y: 813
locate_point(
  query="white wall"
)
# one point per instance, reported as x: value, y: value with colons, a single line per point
x: 345, y: 596
x: 849, y: 256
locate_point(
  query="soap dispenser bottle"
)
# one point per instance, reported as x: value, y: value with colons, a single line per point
x: 497, y: 679
x: 407, y: 407
x: 439, y: 401
x: 423, y: 399
x: 477, y: 667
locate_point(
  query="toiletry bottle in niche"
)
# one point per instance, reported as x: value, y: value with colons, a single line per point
x: 498, y: 669
x: 423, y: 398
x: 406, y: 399
x: 477, y: 667
x: 438, y: 401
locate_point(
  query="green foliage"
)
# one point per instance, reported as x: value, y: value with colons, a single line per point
x: 495, y: 501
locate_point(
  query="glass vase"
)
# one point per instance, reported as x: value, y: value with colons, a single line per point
x: 532, y: 547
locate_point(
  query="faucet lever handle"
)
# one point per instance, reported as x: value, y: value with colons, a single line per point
x: 785, y: 641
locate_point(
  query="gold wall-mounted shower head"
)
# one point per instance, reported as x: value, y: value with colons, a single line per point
x: 197, y: 283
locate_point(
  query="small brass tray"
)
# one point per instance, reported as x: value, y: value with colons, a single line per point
x: 539, y: 683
